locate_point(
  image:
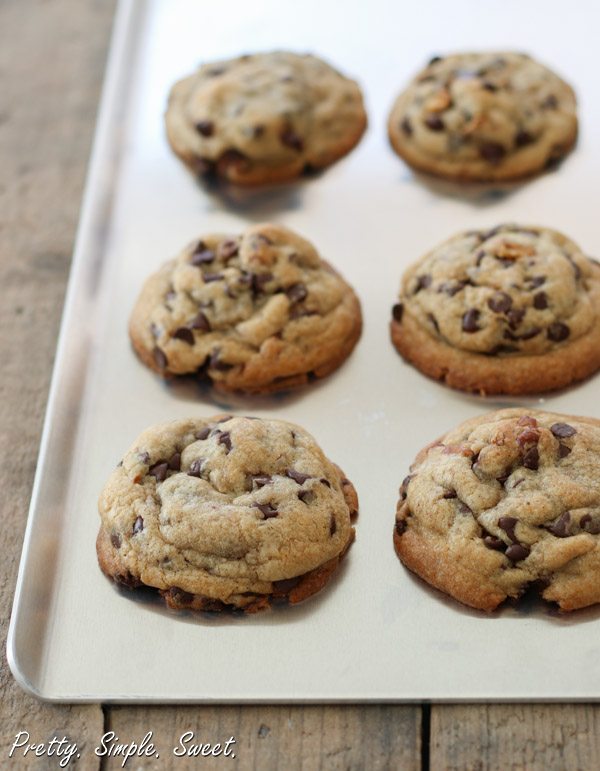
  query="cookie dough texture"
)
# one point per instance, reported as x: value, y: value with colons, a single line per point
x: 263, y: 118
x: 484, y: 117
x: 512, y: 310
x: 257, y: 313
x: 225, y: 512
x: 505, y: 500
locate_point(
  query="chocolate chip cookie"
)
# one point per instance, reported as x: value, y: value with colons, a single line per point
x: 258, y: 313
x: 225, y: 512
x: 484, y: 117
x: 512, y: 310
x: 263, y: 118
x: 503, y: 501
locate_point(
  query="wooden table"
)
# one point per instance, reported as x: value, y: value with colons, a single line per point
x: 52, y: 57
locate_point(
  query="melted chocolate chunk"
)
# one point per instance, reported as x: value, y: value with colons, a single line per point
x: 500, y: 302
x: 325, y: 482
x: 523, y: 138
x: 224, y: 438
x: 210, y: 277
x: 260, y: 480
x: 203, y: 433
x: 195, y: 469
x: 563, y: 450
x: 562, y: 430
x: 536, y: 281
x: 449, y: 494
x: 297, y: 476
x: 540, y: 301
x: 138, y: 525
x: 515, y: 317
x: 401, y: 526
x: 159, y: 471
x: 561, y: 527
x: 550, y: 102
x: 306, y: 496
x: 202, y: 255
x: 180, y: 597
x: 184, y: 334
x: 557, y: 332
x: 508, y: 525
x: 266, y: 510
x: 291, y: 139
x: 493, y: 152
x: 175, y: 462
x: 531, y: 459
x: 422, y: 283
x: 205, y: 127
x: 494, y: 543
x: 434, y: 123
x: 296, y: 293
x: 470, y: 319
x: 517, y: 552
x: 259, y: 280
x: 586, y: 523
x: 228, y: 249
x: 115, y: 539
x: 200, y: 322
x: 397, y: 312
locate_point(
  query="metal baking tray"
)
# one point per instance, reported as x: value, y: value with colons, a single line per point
x: 375, y: 633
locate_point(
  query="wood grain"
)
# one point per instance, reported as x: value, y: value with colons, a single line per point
x: 51, y: 64
x: 515, y: 737
x: 377, y: 738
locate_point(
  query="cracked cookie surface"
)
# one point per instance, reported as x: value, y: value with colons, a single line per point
x: 265, y: 117
x: 257, y: 313
x: 484, y: 117
x: 513, y: 310
x: 505, y: 500
x: 225, y: 512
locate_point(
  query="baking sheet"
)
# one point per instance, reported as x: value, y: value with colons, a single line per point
x: 375, y: 633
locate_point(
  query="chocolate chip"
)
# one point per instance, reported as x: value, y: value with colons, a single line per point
x: 175, y: 461
x: 306, y: 496
x: 138, y: 525
x: 489, y: 86
x: 160, y: 357
x: 195, y: 469
x: 260, y: 480
x: 258, y: 130
x: 434, y: 123
x: 215, y: 362
x: 144, y: 457
x: 406, y: 126
x: 517, y: 552
x: 290, y: 138
x: 434, y: 60
x: 202, y: 255
x: 434, y: 322
x: 550, y: 102
x: 185, y: 334
x: 523, y: 138
x: 200, y: 322
x: 159, y: 471
x: 523, y: 336
x: 203, y: 433
x: 536, y: 281
x: 494, y: 543
x: 586, y: 523
x: 449, y: 494
x: 404, y: 486
x: 180, y: 597
x: 205, y: 127
x: 470, y: 319
x: 401, y: 526
x: 515, y: 317
x: 561, y: 527
x: 452, y: 288
x: 297, y: 476
x: 210, y: 277
x: 500, y: 302
x: 493, y: 152
x: 228, y: 249
x: 397, y: 312
x: 508, y: 525
x: 540, y: 301
x: 225, y: 439
x: 332, y: 525
x: 422, y: 283
x: 325, y: 482
x: 563, y: 451
x: 296, y: 293
x: 266, y: 510
x: 115, y: 539
x: 258, y: 280
x: 285, y: 585
x: 531, y: 459
x: 562, y: 430
x: 557, y: 332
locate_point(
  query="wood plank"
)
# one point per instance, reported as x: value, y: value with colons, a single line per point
x: 544, y: 737
x: 374, y: 737
x: 51, y: 65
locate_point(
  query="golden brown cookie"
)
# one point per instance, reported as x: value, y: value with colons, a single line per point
x: 512, y: 310
x: 484, y: 117
x: 504, y: 501
x: 225, y: 512
x: 265, y: 117
x: 257, y: 313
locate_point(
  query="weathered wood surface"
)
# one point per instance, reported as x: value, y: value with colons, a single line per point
x: 52, y: 56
